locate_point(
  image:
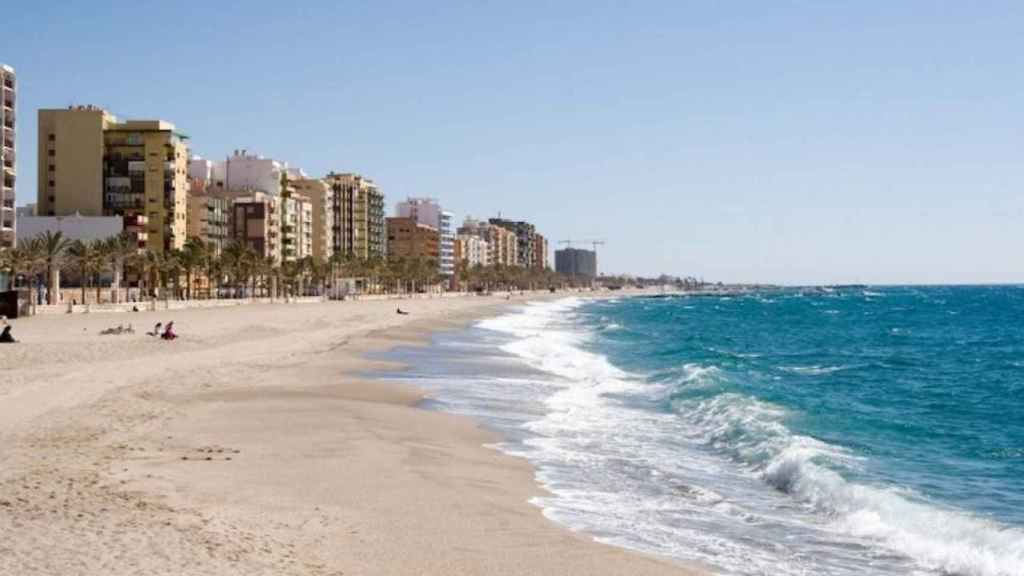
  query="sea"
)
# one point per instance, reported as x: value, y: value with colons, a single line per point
x: 844, y: 431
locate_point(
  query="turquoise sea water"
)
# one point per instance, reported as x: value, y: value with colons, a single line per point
x: 852, y: 431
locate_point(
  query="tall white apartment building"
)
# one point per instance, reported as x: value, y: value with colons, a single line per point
x: 428, y: 211
x: 8, y: 216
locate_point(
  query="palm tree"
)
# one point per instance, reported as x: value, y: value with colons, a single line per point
x: 170, y: 273
x: 26, y: 258
x: 118, y: 250
x: 152, y: 265
x: 235, y: 261
x: 22, y: 258
x: 53, y: 245
x: 191, y: 257
x: 268, y: 272
x: 82, y: 257
x: 214, y: 269
x: 317, y: 270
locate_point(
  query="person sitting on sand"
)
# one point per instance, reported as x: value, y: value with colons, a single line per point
x: 402, y: 312
x: 5, y: 336
x: 156, y: 329
x: 169, y: 332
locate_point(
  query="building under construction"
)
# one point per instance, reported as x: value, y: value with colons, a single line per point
x: 576, y: 262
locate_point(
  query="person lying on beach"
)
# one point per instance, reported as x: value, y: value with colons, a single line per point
x: 169, y: 332
x: 113, y: 331
x: 156, y: 329
x: 5, y: 336
x: 402, y: 312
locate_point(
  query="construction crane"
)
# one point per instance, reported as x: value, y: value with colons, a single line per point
x: 594, y: 243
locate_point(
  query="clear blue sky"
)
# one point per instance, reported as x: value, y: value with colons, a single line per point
x: 780, y: 141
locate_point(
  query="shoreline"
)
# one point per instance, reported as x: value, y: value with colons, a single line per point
x: 250, y: 445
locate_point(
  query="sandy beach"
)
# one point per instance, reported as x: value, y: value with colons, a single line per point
x: 251, y: 446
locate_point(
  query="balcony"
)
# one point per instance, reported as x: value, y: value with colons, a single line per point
x: 125, y: 205
x: 135, y: 221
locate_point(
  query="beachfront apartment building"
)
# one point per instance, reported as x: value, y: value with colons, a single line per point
x: 358, y: 227
x: 502, y: 244
x: 446, y: 258
x: 410, y: 239
x: 200, y: 175
x: 209, y: 219
x: 8, y: 158
x: 245, y: 171
x: 256, y: 223
x: 541, y: 260
x: 296, y: 227
x: 471, y: 250
x: 525, y: 241
x: 321, y: 200
x: 428, y: 211
x: 93, y: 164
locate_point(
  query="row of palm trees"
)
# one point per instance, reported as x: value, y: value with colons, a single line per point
x: 199, y: 270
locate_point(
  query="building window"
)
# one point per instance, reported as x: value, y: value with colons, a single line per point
x: 51, y: 153
x: 52, y: 183
x: 52, y: 167
x: 52, y: 137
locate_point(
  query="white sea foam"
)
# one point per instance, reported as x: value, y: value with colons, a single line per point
x: 939, y: 539
x: 589, y: 450
x: 813, y: 370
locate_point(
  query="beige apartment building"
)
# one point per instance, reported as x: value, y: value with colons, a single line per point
x: 472, y: 250
x: 8, y: 214
x: 321, y: 199
x: 358, y: 226
x: 296, y: 228
x: 410, y: 239
x: 95, y: 165
x: 502, y: 244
